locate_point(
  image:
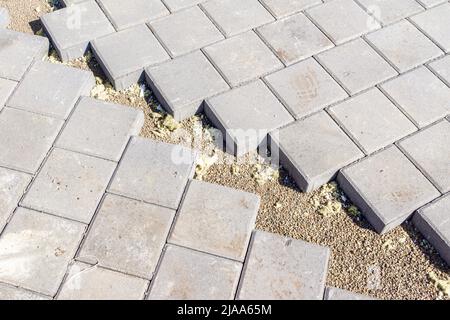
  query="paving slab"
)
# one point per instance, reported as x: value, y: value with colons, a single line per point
x: 86, y: 282
x: 4, y: 18
x: 72, y: 28
x: 186, y: 31
x: 35, y: 249
x: 305, y: 88
x: 430, y: 151
x: 356, y: 66
x: 404, y: 46
x: 387, y: 188
x: 185, y: 274
x: 294, y: 38
x: 216, y: 219
x: 282, y: 8
x: 283, y: 268
x: 332, y: 293
x: 127, y: 236
x: 18, y: 51
x: 6, y: 88
x: 235, y: 16
x: 246, y: 115
x: 100, y: 128
x: 414, y: 90
x: 8, y: 292
x: 182, y: 84
x: 388, y: 12
x: 372, y: 120
x: 154, y: 172
x: 59, y: 89
x: 442, y: 68
x: 433, y: 221
x: 313, y: 150
x: 243, y: 58
x: 175, y: 5
x: 124, y: 65
x: 430, y: 3
x: 26, y: 138
x: 70, y: 185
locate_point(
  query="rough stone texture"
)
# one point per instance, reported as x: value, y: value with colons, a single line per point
x: 6, y: 88
x: 186, y: 274
x: 414, y: 90
x: 313, y: 150
x: 442, y: 68
x: 70, y: 185
x: 26, y: 138
x: 243, y: 58
x: 281, y: 8
x: 305, y: 88
x: 332, y: 293
x: 72, y: 28
x: 372, y: 120
x: 294, y: 38
x: 127, y: 236
x: 186, y: 31
x: 100, y: 129
x: 155, y: 172
x: 175, y: 5
x: 245, y: 115
x: 387, y: 188
x: 8, y: 292
x: 35, y: 249
x: 18, y: 51
x: 4, y: 18
x: 391, y: 11
x: 182, y: 84
x: 124, y: 64
x: 429, y: 149
x: 282, y: 268
x: 85, y: 282
x: 216, y: 220
x: 59, y: 89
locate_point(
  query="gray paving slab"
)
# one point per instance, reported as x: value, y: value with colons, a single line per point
x: 26, y: 138
x: 124, y: 65
x: 185, y: 274
x: 100, y: 128
x: 4, y: 18
x: 72, y: 28
x: 387, y: 188
x: 283, y: 268
x: 175, y: 5
x: 181, y: 85
x: 282, y: 8
x: 59, y: 89
x: 35, y: 249
x: 69, y: 185
x: 6, y: 89
x: 388, y: 12
x: 442, y: 68
x: 18, y: 51
x: 8, y: 292
x: 215, y: 219
x: 127, y: 236
x: 433, y: 221
x: 430, y: 3
x: 332, y: 293
x: 313, y: 150
x: 163, y: 181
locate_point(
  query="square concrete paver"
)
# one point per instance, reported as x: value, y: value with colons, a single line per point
x: 282, y: 268
x: 59, y: 88
x: 85, y: 282
x: 4, y: 18
x: 246, y: 115
x: 294, y: 38
x: 182, y: 84
x: 18, y: 51
x: 8, y: 292
x: 186, y: 274
x: 404, y: 46
x: 35, y: 249
x: 100, y: 129
x: 70, y: 185
x: 429, y: 149
x: 175, y: 5
x: 356, y: 65
x: 442, y: 68
x: 127, y: 236
x: 124, y: 64
x: 155, y: 172
x: 216, y: 220
x: 237, y: 16
x: 186, y: 31
x: 282, y: 8
x: 313, y: 150
x: 388, y: 11
x: 372, y: 120
x: 6, y: 88
x: 25, y: 138
x: 332, y: 293
x: 243, y: 58
x: 421, y: 95
x: 387, y: 188
x: 305, y: 88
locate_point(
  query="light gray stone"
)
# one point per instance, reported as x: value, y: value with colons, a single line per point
x: 186, y: 274
x: 4, y: 18
x: 332, y: 293
x: 216, y: 220
x: 430, y: 3
x: 175, y: 5
x: 8, y: 292
x: 282, y: 8
x: 442, y: 68
x: 391, y: 11
x: 6, y: 88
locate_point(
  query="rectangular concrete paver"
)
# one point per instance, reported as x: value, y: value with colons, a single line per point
x: 442, y: 68
x: 4, y: 18
x: 388, y: 11
x: 281, y: 8
x: 332, y: 293
x: 8, y: 292
x: 6, y: 88
x: 175, y: 5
